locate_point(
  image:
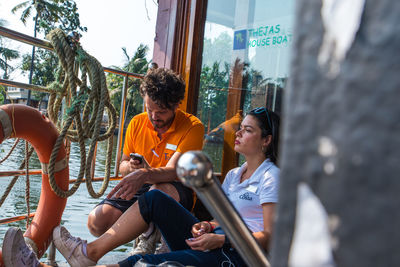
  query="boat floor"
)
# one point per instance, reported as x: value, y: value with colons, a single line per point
x: 107, y: 259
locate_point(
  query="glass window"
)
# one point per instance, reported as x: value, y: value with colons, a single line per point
x: 245, y: 65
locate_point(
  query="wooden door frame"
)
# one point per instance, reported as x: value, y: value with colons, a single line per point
x: 178, y: 44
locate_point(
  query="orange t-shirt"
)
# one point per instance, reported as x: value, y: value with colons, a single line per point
x: 185, y: 133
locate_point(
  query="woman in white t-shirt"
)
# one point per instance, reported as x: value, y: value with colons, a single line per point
x: 252, y: 188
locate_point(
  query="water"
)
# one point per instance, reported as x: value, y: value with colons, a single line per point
x: 78, y: 205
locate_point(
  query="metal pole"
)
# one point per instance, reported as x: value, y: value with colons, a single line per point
x: 195, y: 170
x: 25, y: 38
x: 24, y: 86
x: 121, y: 124
x: 51, y: 259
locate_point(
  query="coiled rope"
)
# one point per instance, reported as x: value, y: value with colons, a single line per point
x: 91, y: 99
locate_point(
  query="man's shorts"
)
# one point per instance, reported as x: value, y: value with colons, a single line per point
x: 185, y: 196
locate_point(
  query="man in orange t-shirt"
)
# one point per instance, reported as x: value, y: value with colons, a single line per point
x: 160, y: 135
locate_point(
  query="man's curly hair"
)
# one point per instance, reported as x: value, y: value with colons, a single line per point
x: 164, y: 87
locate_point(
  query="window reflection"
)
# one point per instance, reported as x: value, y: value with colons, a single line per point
x: 245, y: 65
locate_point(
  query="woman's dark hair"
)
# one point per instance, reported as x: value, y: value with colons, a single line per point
x: 268, y: 121
x: 164, y: 87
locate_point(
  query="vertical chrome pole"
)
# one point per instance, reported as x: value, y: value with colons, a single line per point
x: 121, y: 125
x: 93, y: 164
x: 195, y: 170
x: 51, y: 259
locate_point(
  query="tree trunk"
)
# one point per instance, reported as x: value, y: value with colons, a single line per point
x: 28, y: 102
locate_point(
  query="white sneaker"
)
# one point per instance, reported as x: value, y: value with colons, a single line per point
x: 71, y: 248
x: 16, y: 253
x: 147, y: 245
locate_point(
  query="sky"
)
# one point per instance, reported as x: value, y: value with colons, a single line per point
x: 111, y: 26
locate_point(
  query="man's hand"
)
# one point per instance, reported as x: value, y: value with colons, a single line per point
x: 129, y: 165
x: 135, y: 164
x: 129, y: 185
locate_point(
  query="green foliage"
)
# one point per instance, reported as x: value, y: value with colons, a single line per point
x: 218, y: 50
x: 44, y: 71
x: 6, y: 55
x: 213, y: 94
x: 51, y: 14
x: 137, y: 64
x: 214, y: 80
x: 45, y: 63
x: 2, y: 94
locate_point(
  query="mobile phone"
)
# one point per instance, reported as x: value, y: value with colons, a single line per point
x: 136, y: 156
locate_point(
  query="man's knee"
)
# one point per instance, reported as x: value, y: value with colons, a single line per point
x: 168, y: 189
x: 101, y: 218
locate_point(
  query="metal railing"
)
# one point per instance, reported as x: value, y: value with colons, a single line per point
x: 47, y: 45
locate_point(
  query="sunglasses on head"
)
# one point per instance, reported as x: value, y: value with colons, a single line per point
x: 262, y: 110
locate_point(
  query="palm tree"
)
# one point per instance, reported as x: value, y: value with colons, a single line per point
x: 6, y: 55
x: 48, y: 14
x: 137, y: 64
x: 40, y: 7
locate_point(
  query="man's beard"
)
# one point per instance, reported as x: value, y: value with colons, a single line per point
x: 159, y: 124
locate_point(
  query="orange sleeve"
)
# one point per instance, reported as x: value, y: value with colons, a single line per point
x: 128, y: 144
x: 193, y: 139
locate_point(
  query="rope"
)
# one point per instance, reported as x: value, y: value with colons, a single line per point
x: 93, y: 100
x: 15, y: 178
x: 9, y: 152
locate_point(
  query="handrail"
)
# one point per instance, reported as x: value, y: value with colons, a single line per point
x: 19, y: 172
x: 24, y: 38
x: 39, y: 171
x: 195, y: 170
x: 123, y: 73
x: 16, y: 218
x: 24, y: 85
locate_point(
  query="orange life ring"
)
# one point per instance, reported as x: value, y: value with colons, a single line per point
x: 28, y: 123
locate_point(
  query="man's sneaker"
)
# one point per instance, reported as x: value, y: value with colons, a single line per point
x: 71, y: 247
x: 16, y: 253
x: 147, y: 245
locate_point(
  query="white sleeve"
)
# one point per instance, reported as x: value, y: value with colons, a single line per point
x: 227, y: 181
x: 270, y: 187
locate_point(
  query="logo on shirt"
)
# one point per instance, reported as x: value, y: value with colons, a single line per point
x: 171, y: 147
x: 246, y: 196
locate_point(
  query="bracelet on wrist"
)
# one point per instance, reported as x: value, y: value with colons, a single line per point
x: 212, y: 226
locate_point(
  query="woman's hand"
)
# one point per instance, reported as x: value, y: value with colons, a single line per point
x: 206, y: 242
x: 201, y: 228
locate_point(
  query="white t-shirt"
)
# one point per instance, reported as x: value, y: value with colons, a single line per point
x: 247, y: 197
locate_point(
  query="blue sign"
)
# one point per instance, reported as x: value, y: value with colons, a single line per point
x: 240, y: 40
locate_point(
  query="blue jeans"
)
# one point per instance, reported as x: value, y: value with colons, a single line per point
x: 175, y: 224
